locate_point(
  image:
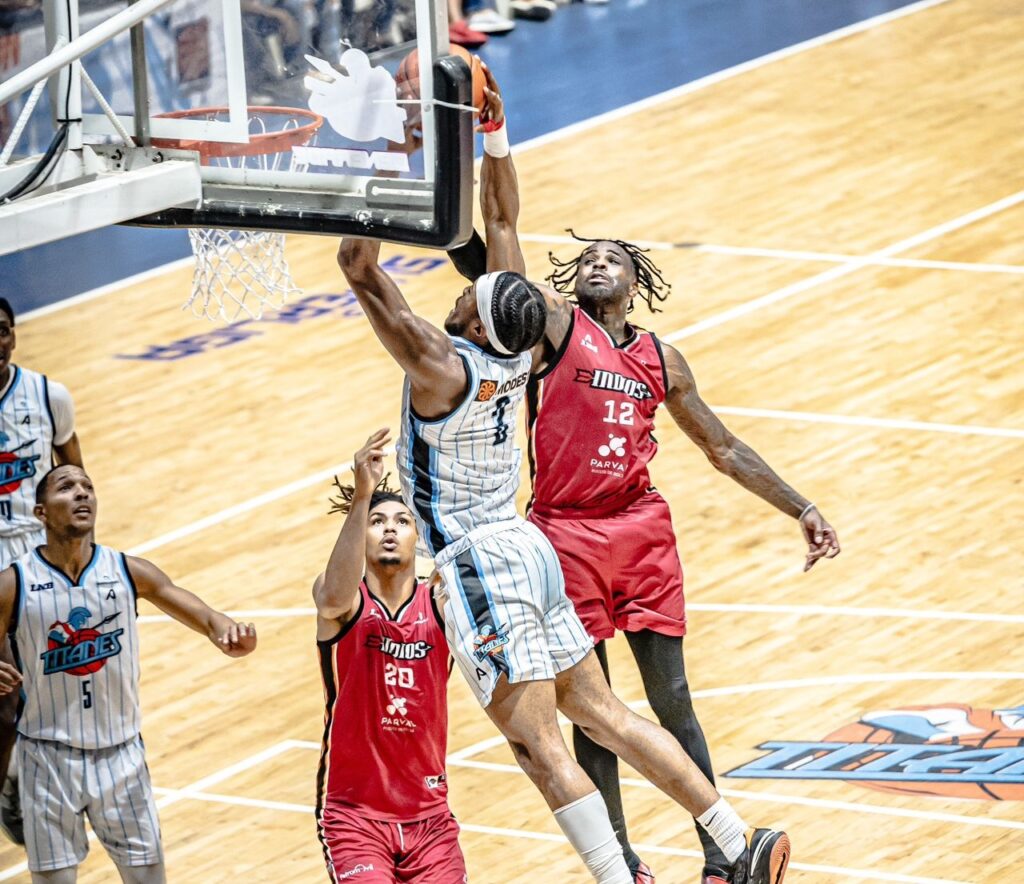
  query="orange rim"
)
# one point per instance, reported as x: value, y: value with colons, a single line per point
x: 259, y: 144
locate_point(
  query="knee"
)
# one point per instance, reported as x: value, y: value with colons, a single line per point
x: 671, y: 698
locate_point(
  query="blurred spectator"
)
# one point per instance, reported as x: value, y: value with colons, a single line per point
x: 459, y: 31
x: 487, y: 19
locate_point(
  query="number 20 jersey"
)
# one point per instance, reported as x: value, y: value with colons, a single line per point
x: 590, y: 420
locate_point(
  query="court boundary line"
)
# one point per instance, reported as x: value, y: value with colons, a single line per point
x: 791, y: 255
x: 563, y: 132
x: 713, y: 607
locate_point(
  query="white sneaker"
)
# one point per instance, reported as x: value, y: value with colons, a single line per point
x: 487, y: 21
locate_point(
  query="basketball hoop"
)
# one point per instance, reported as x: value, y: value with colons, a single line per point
x: 243, y: 271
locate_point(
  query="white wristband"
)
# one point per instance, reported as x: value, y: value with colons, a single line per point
x: 496, y: 143
x: 806, y: 510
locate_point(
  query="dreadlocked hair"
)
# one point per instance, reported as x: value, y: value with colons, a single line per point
x: 651, y: 283
x: 343, y: 502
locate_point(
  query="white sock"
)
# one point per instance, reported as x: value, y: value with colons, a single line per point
x: 585, y: 823
x: 724, y: 825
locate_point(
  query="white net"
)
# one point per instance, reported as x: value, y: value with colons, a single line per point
x: 238, y: 274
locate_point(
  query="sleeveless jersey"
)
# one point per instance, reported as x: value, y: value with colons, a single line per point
x: 590, y: 421
x: 461, y: 471
x: 26, y: 449
x: 77, y: 647
x: 386, y: 726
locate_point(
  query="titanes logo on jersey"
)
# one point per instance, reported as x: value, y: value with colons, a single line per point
x: 950, y: 750
x: 399, y: 650
x: 78, y: 649
x: 15, y: 468
x: 489, y: 389
x: 600, y: 379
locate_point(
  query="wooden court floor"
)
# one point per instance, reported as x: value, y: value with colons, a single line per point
x: 854, y: 312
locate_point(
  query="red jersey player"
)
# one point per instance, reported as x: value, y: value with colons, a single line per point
x: 591, y: 400
x: 382, y: 792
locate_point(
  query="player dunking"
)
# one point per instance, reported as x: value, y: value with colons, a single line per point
x: 37, y: 423
x: 509, y: 624
x: 592, y: 495
x: 382, y: 791
x: 69, y: 608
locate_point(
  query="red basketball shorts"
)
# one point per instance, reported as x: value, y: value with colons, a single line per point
x: 622, y: 571
x: 364, y: 851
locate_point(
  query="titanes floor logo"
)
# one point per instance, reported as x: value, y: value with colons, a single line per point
x: 952, y: 751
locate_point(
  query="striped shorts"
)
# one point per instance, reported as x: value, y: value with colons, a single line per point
x: 507, y: 611
x: 60, y: 785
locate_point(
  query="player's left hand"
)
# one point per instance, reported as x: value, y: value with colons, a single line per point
x: 493, y: 114
x: 10, y: 678
x: 238, y: 639
x: 821, y: 538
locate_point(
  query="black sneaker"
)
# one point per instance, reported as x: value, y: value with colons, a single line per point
x: 11, y: 822
x: 765, y: 859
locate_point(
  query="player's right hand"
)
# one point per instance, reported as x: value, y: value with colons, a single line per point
x: 10, y: 678
x: 493, y: 114
x: 368, y: 462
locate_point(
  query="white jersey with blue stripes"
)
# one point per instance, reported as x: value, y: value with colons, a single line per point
x: 77, y: 647
x: 461, y: 471
x: 26, y: 449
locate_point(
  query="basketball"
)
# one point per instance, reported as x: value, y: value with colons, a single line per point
x: 408, y: 76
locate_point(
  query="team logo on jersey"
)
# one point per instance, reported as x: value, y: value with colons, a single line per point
x: 39, y: 587
x: 397, y: 717
x: 436, y: 782
x: 952, y: 751
x: 78, y: 649
x: 588, y: 343
x: 489, y: 641
x: 489, y: 389
x: 600, y: 379
x: 15, y: 468
x: 399, y: 650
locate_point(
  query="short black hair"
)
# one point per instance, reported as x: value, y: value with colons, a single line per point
x: 44, y: 482
x: 5, y: 305
x: 649, y: 280
x: 518, y: 312
x: 383, y: 493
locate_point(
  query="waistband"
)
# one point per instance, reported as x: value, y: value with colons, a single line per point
x: 458, y: 547
x: 603, y: 511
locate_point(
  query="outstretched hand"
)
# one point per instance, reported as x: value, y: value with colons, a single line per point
x: 237, y: 640
x: 368, y: 462
x: 821, y: 538
x: 493, y: 113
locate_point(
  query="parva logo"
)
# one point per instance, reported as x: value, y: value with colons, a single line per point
x: 951, y: 750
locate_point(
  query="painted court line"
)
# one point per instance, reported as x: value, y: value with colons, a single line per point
x: 792, y: 254
x: 239, y: 801
x: 725, y: 607
x: 575, y: 128
x: 838, y: 272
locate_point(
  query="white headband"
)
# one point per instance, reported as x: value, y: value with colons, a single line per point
x: 484, y: 295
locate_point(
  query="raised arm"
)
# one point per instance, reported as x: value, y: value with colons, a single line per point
x: 233, y: 639
x: 336, y: 591
x: 424, y: 352
x: 737, y: 460
x: 499, y: 187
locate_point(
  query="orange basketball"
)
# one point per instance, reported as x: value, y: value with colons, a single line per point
x: 408, y: 76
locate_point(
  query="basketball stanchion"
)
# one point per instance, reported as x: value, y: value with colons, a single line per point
x: 243, y: 272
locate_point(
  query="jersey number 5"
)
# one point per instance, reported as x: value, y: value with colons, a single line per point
x: 501, y: 428
x: 86, y: 696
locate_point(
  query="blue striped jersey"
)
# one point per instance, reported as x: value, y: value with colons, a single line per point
x: 461, y: 471
x: 77, y: 647
x: 26, y: 449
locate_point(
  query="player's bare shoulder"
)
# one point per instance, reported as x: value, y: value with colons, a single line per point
x: 557, y: 326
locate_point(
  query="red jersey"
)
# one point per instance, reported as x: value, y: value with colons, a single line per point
x: 386, y: 725
x: 590, y: 420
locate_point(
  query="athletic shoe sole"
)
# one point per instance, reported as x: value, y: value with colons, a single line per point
x: 778, y: 860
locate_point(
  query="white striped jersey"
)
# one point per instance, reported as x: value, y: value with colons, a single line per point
x: 77, y: 647
x: 461, y: 471
x: 26, y: 449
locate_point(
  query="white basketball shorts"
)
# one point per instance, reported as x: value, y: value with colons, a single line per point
x: 507, y: 611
